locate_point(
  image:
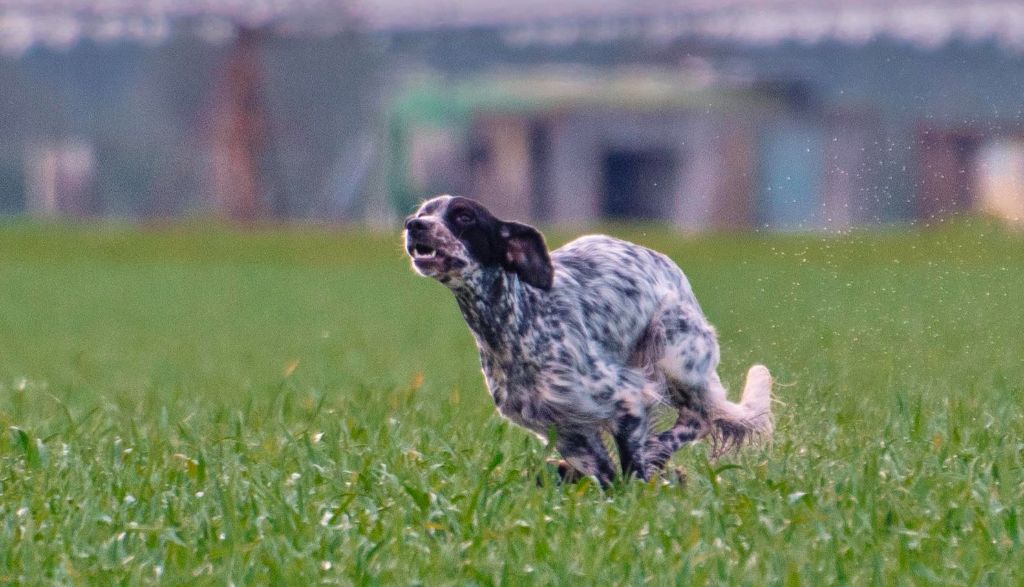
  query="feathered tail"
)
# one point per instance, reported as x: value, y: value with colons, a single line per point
x: 732, y: 424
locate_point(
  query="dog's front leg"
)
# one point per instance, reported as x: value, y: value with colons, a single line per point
x: 631, y: 432
x: 585, y: 452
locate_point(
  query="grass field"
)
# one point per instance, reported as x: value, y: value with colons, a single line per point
x: 294, y: 406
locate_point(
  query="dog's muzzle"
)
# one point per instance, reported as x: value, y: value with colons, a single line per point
x: 426, y: 256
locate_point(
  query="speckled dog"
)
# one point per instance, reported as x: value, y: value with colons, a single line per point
x: 586, y: 339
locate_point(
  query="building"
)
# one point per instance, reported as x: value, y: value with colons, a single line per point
x: 853, y: 111
x: 563, y: 146
x: 897, y: 107
x: 250, y: 111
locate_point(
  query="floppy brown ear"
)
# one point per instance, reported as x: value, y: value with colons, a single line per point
x: 526, y: 254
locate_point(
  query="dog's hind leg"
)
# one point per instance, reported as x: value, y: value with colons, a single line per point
x: 689, y: 362
x: 689, y: 426
x: 649, y: 355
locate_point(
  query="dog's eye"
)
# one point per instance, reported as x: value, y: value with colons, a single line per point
x: 463, y: 218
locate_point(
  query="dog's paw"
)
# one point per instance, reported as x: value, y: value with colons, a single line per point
x: 566, y: 472
x: 673, y: 475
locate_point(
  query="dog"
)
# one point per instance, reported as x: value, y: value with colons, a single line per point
x: 587, y: 339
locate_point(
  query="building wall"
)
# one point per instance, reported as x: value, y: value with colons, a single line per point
x: 733, y: 205
x: 714, y: 168
x: 852, y: 147
x: 702, y: 166
x: 581, y: 138
x: 1001, y: 179
x: 501, y: 165
x: 895, y: 88
x: 147, y: 115
x: 143, y: 112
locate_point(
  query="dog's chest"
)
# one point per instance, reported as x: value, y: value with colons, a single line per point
x: 517, y: 389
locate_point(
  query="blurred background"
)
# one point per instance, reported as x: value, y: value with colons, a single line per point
x: 701, y: 114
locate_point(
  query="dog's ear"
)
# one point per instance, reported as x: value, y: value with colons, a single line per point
x: 526, y: 254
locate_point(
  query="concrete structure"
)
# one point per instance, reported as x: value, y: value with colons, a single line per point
x: 862, y: 110
x: 897, y: 102
x: 562, y: 147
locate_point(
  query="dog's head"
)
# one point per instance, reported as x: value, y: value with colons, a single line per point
x: 450, y: 237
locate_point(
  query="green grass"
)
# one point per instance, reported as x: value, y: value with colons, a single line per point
x: 292, y: 406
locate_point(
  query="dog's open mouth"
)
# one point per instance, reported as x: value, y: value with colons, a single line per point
x: 423, y: 252
x: 427, y: 258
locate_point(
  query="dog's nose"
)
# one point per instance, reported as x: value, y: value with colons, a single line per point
x: 414, y: 224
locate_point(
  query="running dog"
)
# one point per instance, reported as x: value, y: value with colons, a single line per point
x: 586, y: 339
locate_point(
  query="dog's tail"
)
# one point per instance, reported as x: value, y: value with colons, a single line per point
x: 732, y: 424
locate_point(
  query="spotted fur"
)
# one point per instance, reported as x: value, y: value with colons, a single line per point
x: 586, y: 339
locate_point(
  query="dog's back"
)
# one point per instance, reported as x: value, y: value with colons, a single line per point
x: 618, y: 287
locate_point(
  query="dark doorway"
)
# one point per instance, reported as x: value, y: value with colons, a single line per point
x: 540, y: 170
x: 639, y: 184
x: 12, y: 188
